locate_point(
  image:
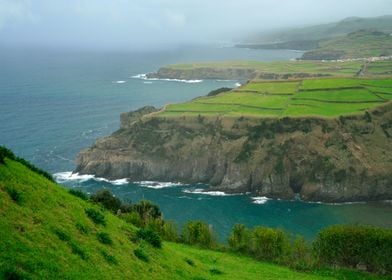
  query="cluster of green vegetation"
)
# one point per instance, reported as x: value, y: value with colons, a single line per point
x: 7, y: 153
x: 48, y: 232
x: 330, y: 97
x: 359, y: 44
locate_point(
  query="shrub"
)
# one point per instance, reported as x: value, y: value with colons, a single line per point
x: 12, y: 273
x: 77, y: 250
x: 198, y: 233
x: 150, y: 236
x: 79, y: 194
x: 107, y: 200
x: 134, y: 219
x: 109, y: 258
x: 189, y: 261
x: 301, y: 255
x: 169, y: 231
x: 96, y: 216
x: 239, y: 238
x: 355, y: 245
x: 6, y: 153
x: 104, y: 238
x: 268, y: 244
x: 147, y: 210
x: 215, y: 271
x: 141, y: 255
x: 62, y: 235
x: 82, y: 228
x: 14, y: 194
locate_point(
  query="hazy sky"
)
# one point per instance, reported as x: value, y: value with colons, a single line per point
x: 149, y: 24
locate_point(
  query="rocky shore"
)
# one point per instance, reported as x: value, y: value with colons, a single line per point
x: 330, y: 160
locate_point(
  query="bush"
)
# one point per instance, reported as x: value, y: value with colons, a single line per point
x: 141, y: 255
x: 7, y: 153
x: 62, y: 235
x: 96, y: 216
x: 147, y: 211
x: 82, y: 228
x: 14, y: 194
x: 268, y: 244
x: 109, y: 258
x: 352, y: 246
x: 150, y: 236
x: 77, y: 250
x: 79, y: 194
x: 198, y: 233
x: 301, y: 255
x: 189, y: 261
x: 104, y: 238
x: 239, y: 238
x: 215, y: 271
x: 134, y: 219
x: 107, y: 200
x: 169, y: 231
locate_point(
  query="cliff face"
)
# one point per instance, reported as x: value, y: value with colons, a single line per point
x: 212, y: 73
x: 335, y: 160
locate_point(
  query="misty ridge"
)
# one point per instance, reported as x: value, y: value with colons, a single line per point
x: 158, y: 24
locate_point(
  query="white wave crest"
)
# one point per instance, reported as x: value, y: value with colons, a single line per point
x: 119, y: 82
x: 260, y: 199
x: 144, y: 77
x: 237, y: 84
x: 62, y: 177
x: 212, y: 193
x: 158, y: 185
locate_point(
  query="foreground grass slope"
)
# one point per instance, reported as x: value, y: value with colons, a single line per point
x: 46, y: 234
x: 314, y: 97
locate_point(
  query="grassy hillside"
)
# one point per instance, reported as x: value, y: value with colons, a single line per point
x: 360, y: 44
x: 46, y: 234
x: 321, y: 31
x: 313, y: 97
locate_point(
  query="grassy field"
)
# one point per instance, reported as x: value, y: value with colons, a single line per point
x: 348, y: 68
x: 46, y: 234
x: 328, y: 97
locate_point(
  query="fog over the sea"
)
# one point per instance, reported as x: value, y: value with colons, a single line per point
x: 155, y: 24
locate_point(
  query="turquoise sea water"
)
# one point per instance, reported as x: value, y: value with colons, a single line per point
x: 55, y: 103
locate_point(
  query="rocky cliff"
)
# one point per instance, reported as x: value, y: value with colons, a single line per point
x: 212, y: 73
x: 332, y: 160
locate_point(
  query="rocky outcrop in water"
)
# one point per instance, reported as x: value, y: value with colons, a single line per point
x: 331, y: 160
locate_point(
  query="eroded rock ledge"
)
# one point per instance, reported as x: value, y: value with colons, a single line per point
x: 211, y: 73
x: 330, y: 160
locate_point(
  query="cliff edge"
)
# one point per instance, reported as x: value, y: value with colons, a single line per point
x: 318, y: 159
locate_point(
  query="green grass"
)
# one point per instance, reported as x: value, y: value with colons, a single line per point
x: 359, y: 44
x: 271, y: 87
x: 41, y: 238
x: 348, y: 68
x: 327, y: 97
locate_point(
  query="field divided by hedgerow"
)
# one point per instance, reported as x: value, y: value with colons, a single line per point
x: 326, y: 97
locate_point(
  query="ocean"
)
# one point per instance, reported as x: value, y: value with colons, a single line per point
x: 55, y: 103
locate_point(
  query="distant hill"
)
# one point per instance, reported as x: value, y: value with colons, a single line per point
x: 316, y: 32
x: 359, y: 44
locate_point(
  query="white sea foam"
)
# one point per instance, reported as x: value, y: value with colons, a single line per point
x: 62, y: 177
x: 260, y: 199
x: 144, y: 77
x: 237, y: 84
x: 158, y: 185
x: 119, y: 82
x: 212, y: 193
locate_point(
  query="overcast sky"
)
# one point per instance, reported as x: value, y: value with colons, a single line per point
x: 149, y: 24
